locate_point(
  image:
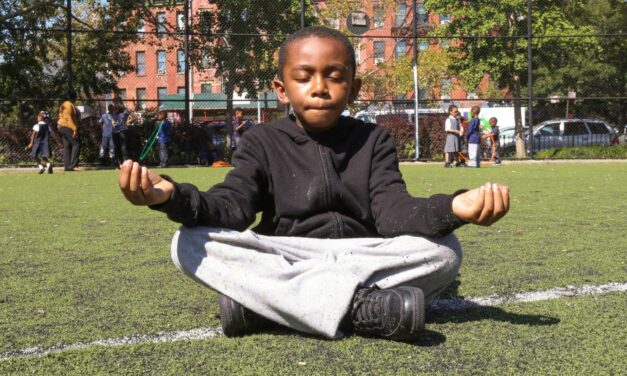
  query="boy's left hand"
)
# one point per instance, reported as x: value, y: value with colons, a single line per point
x: 482, y: 206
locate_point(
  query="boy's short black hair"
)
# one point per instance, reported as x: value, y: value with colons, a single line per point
x: 451, y: 107
x: 320, y: 32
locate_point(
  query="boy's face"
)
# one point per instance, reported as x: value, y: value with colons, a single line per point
x: 455, y: 112
x: 317, y: 82
x: 492, y: 122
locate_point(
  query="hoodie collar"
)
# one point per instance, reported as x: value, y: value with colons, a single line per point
x: 300, y: 136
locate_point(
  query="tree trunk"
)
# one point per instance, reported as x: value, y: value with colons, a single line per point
x: 521, y: 150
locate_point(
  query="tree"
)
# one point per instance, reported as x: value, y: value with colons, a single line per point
x: 33, y: 49
x: 240, y: 38
x: 607, y: 17
x: 504, y: 57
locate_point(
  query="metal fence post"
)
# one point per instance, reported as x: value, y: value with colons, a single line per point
x: 529, y: 80
x: 68, y: 66
x: 415, y: 68
x: 187, y: 118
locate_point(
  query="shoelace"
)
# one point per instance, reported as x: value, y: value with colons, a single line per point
x: 367, y: 310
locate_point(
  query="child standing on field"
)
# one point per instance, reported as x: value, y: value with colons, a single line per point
x: 474, y: 137
x: 39, y: 145
x: 454, y: 131
x: 341, y: 243
x: 106, y: 122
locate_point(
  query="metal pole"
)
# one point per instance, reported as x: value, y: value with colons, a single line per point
x: 415, y: 67
x: 302, y: 14
x: 529, y: 80
x: 68, y: 62
x: 187, y: 117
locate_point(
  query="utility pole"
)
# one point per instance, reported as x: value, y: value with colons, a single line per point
x: 529, y: 80
x: 68, y: 60
x: 188, y: 116
x: 415, y: 67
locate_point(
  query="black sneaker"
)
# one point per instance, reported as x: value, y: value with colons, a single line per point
x: 396, y: 313
x: 50, y: 169
x: 237, y: 320
x: 42, y: 169
x: 447, y: 165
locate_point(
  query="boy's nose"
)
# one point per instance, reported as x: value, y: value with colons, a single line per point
x: 319, y: 86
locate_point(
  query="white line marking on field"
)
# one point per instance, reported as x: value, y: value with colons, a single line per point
x: 533, y: 296
x: 438, y: 304
x: 201, y: 333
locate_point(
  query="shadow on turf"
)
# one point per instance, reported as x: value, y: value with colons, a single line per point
x: 475, y: 312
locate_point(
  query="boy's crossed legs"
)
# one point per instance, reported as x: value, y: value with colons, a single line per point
x: 308, y: 284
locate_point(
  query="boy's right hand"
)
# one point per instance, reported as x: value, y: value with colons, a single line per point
x: 141, y: 186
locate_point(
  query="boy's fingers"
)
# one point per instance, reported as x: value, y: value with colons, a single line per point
x: 505, y: 194
x: 488, y: 205
x: 147, y: 187
x: 499, y: 207
x: 135, y: 185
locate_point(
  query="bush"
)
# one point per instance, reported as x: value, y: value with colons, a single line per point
x: 584, y: 152
x: 432, y: 136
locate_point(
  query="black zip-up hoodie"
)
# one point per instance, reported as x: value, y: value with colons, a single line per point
x: 340, y: 183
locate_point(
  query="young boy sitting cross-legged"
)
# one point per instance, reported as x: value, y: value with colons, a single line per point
x: 340, y: 239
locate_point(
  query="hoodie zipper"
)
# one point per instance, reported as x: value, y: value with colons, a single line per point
x: 338, y: 231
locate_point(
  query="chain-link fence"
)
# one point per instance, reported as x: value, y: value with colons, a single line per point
x: 200, y: 61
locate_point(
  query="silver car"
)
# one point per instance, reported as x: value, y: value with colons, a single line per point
x: 561, y: 133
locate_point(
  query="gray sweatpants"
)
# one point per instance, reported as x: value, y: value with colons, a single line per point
x: 307, y: 284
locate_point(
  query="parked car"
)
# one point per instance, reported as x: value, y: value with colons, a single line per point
x: 561, y: 133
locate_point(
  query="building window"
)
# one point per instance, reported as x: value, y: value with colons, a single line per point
x: 423, y: 45
x: 180, y: 61
x: 161, y: 93
x: 122, y: 94
x: 180, y: 21
x: 140, y: 96
x: 180, y: 90
x: 205, y: 21
x: 205, y: 88
x: 401, y: 13
x: 140, y: 63
x: 161, y: 62
x: 205, y: 61
x: 401, y: 49
x: 423, y: 16
x: 334, y: 23
x: 141, y: 29
x: 378, y: 16
x: 358, y: 54
x: 161, y: 22
x: 379, y: 52
x: 445, y: 89
x: 444, y: 19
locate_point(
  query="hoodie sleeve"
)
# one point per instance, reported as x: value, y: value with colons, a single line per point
x: 231, y: 204
x: 395, y: 211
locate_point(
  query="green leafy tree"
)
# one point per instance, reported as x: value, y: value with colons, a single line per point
x: 240, y: 39
x: 33, y: 48
x: 504, y: 58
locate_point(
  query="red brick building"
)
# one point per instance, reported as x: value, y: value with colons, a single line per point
x: 159, y: 60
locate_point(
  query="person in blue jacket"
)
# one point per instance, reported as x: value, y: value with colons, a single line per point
x: 163, y: 137
x: 474, y: 137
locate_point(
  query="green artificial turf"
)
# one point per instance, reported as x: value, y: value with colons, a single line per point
x: 79, y: 264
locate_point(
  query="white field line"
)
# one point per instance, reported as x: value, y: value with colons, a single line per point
x: 437, y: 305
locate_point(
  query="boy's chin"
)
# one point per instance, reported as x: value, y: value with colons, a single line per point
x: 318, y: 124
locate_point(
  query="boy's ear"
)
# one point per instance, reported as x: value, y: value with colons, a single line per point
x: 354, y: 90
x: 279, y: 89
